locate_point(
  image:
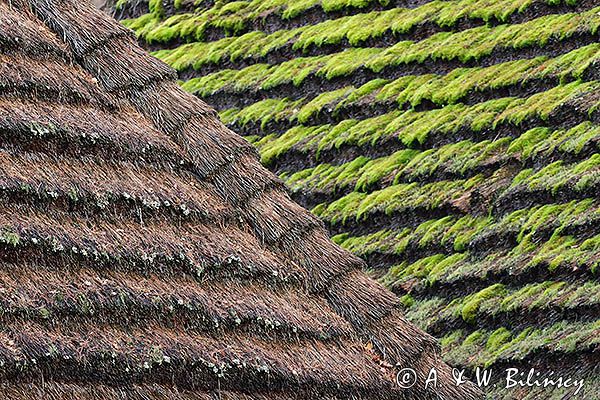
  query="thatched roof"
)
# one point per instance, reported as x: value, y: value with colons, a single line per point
x: 453, y: 145
x: 146, y: 253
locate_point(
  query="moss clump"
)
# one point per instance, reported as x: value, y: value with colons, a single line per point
x: 558, y: 175
x: 272, y: 147
x: 263, y: 112
x: 323, y: 102
x: 426, y: 271
x: 498, y: 339
x: 9, y: 237
x: 407, y: 301
x: 470, y: 305
x: 156, y: 7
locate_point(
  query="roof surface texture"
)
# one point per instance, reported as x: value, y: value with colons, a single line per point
x: 145, y: 253
x: 453, y: 145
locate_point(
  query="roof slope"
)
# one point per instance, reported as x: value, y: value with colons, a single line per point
x: 146, y: 253
x: 453, y: 145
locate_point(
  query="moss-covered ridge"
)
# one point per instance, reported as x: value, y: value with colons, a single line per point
x: 454, y: 145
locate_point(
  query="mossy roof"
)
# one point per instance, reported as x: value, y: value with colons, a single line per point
x: 146, y: 253
x: 453, y: 145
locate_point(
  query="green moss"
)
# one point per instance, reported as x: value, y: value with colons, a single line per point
x: 464, y: 230
x: 497, y: 339
x: 494, y: 301
x: 542, y: 104
x: 558, y: 175
x: 380, y: 242
x: 484, y: 348
x: 524, y: 296
x: 526, y: 144
x: 448, y: 89
x: 427, y: 270
x: 460, y: 351
x: 313, y: 108
x: 263, y: 112
x: 470, y: 305
x: 555, y: 252
x: 441, y: 90
x: 156, y: 7
x: 472, y: 44
x: 404, y: 271
x: 328, y: 178
x: 346, y: 62
x: 272, y: 147
x: 428, y: 196
x: 576, y: 340
x: 363, y: 94
x: 234, y: 17
x: 451, y: 339
x: 430, y: 234
x: 9, y: 237
x: 580, y: 294
x: 407, y: 301
x: 294, y: 71
x: 402, y: 166
x: 120, y: 4
x: 383, y: 169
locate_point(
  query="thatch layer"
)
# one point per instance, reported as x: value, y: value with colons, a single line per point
x: 146, y: 253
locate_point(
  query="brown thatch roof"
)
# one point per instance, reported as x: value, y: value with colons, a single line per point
x: 146, y: 253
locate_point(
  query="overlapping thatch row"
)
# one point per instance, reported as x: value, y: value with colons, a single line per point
x: 453, y: 145
x: 86, y: 185
x: 17, y: 77
x: 154, y: 354
x: 89, y: 179
x: 119, y: 299
x: 146, y: 252
x: 372, y: 32
x: 73, y: 130
x: 249, y: 15
x: 158, y: 246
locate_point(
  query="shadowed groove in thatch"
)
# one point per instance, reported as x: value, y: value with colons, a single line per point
x: 257, y: 256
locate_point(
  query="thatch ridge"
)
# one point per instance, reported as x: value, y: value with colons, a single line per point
x: 265, y: 239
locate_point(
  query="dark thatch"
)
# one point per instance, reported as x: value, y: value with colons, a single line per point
x: 146, y: 254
